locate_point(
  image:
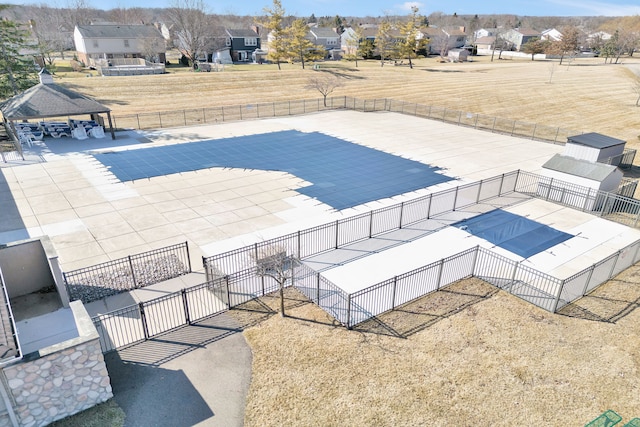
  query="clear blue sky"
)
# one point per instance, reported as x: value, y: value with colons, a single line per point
x: 304, y: 8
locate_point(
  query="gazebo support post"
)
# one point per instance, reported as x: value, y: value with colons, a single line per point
x: 113, y: 134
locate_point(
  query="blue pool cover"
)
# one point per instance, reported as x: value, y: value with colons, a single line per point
x: 342, y: 174
x: 512, y: 232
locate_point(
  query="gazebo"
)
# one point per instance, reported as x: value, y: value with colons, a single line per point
x: 47, y: 99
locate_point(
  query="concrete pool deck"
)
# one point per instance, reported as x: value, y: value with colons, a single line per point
x: 91, y: 217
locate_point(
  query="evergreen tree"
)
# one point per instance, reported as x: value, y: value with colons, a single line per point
x: 300, y: 47
x: 17, y: 70
x: 277, y: 34
x: 409, y: 31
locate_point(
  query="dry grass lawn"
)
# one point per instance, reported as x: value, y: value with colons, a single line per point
x: 586, y: 96
x: 466, y: 356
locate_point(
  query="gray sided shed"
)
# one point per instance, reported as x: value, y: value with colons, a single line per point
x: 458, y: 55
x: 569, y: 176
x: 593, y: 147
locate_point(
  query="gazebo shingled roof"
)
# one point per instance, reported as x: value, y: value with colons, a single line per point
x: 47, y: 99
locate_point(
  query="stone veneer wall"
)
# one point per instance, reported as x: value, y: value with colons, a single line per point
x: 70, y: 377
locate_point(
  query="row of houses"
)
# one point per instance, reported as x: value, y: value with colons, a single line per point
x: 515, y: 38
x: 110, y: 41
x: 104, y: 42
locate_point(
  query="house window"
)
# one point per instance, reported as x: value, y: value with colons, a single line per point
x: 95, y: 43
x: 250, y: 41
x: 126, y: 43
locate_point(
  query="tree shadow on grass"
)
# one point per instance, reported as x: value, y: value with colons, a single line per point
x: 424, y: 312
x: 342, y: 74
x: 608, y: 303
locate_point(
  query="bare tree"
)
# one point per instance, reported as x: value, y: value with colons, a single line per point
x: 192, y: 28
x: 325, y: 83
x: 552, y: 69
x: 636, y: 89
x: 275, y: 262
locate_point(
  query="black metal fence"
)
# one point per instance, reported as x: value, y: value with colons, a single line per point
x: 337, y: 234
x: 124, y: 274
x: 149, y: 319
x: 237, y: 267
x: 199, y: 116
x: 232, y: 277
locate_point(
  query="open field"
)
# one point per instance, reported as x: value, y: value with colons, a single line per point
x: 585, y: 96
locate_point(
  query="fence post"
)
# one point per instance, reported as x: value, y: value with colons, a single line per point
x: 614, y: 264
x: 240, y: 108
x: 185, y: 304
x: 604, y: 204
x: 533, y: 135
x: 401, y: 212
x: 475, y: 125
x: 186, y: 245
x: 289, y: 107
x: 143, y: 318
x: 586, y: 284
x: 349, y: 310
x: 184, y: 116
x: 555, y: 304
x: 223, y: 113
x: 207, y: 274
x: 370, y: 223
x: 455, y: 199
x: 549, y: 189
x: 475, y: 260
x: 393, y: 297
x: 479, y: 190
x: 513, y: 275
x: 160, y: 119
x: 557, y: 133
x: 226, y: 285
x: 586, y: 199
x: 299, y: 245
x: 337, y: 222
x: 513, y: 129
x: 429, y: 208
x: 440, y: 268
x: 138, y: 119
x: 318, y: 288
x: 493, y: 128
x: 204, y: 115
x: 133, y: 274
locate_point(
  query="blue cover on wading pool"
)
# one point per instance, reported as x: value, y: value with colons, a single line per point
x: 512, y: 232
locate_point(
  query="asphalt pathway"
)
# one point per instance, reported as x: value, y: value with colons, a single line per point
x: 198, y: 375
